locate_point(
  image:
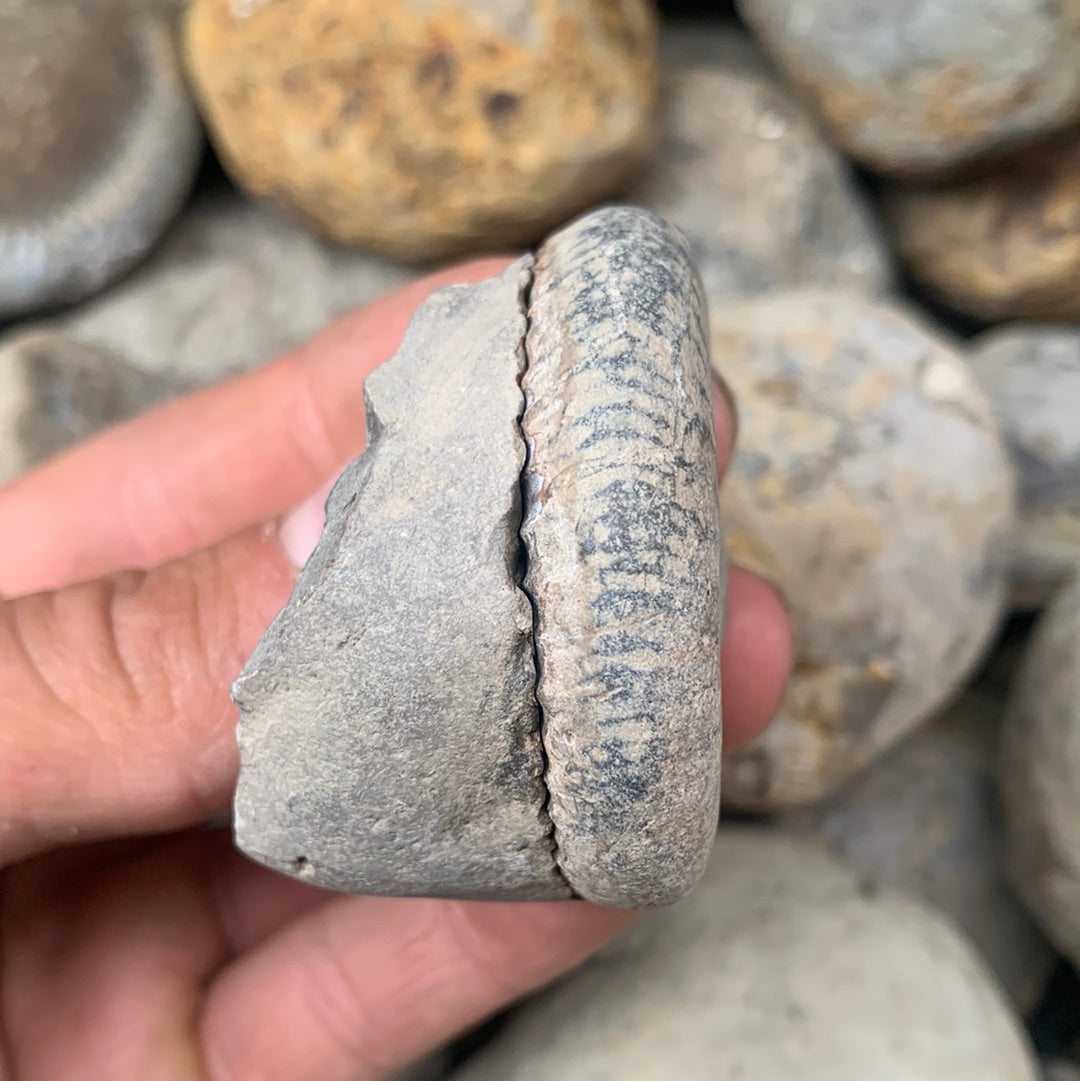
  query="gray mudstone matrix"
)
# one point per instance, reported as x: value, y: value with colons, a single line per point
x: 498, y: 674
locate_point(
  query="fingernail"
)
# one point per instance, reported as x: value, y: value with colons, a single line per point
x: 301, y: 528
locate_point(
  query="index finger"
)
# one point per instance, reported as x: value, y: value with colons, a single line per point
x: 202, y: 468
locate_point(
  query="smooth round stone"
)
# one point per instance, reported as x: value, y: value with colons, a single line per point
x: 1040, y: 761
x: 233, y: 286
x: 98, y: 146
x: 1005, y: 245
x: 871, y: 485
x: 55, y: 392
x: 922, y: 87
x: 1032, y: 375
x: 782, y: 964
x: 926, y: 819
x: 424, y: 128
x: 765, y: 202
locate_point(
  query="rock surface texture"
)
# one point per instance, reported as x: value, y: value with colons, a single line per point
x: 871, y: 484
x: 423, y: 128
x: 783, y: 963
x: 55, y: 391
x: 742, y: 170
x: 1032, y: 375
x: 923, y: 87
x: 926, y: 819
x: 1004, y: 246
x: 98, y: 146
x: 1040, y: 759
x: 390, y: 736
x: 622, y: 538
x: 232, y: 286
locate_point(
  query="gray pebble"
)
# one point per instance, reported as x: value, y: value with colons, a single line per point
x: 782, y: 964
x: 926, y: 819
x: 231, y: 287
x: 98, y: 146
x: 1040, y: 761
x: 55, y: 392
x: 390, y: 736
x: 925, y: 86
x: 1032, y: 375
x: 871, y: 484
x: 765, y: 202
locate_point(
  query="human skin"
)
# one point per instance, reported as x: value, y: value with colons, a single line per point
x: 138, y: 572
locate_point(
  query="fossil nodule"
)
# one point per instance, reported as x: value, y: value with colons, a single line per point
x: 498, y: 675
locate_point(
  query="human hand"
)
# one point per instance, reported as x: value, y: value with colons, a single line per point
x: 134, y: 942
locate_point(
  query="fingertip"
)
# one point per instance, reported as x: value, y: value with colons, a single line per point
x: 755, y: 659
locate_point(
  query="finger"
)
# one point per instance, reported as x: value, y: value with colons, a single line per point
x: 359, y: 987
x: 756, y: 658
x: 200, y: 469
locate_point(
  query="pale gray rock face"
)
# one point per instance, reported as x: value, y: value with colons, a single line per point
x: 624, y: 563
x: 1040, y: 760
x: 871, y: 484
x: 741, y: 169
x: 98, y: 146
x: 1032, y: 375
x: 231, y: 287
x: 55, y: 392
x: 390, y: 736
x: 926, y: 819
x: 782, y: 964
x: 922, y: 87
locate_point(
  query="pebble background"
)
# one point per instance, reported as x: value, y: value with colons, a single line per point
x: 884, y: 202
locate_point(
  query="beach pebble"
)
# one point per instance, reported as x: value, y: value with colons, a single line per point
x: 871, y: 484
x: 926, y: 819
x: 55, y: 392
x: 1040, y: 762
x: 782, y: 964
x: 765, y: 202
x: 1004, y: 245
x: 1032, y: 375
x: 428, y: 128
x: 922, y: 87
x: 99, y: 144
x: 232, y: 286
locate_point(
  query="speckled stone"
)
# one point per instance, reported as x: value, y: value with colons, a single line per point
x: 423, y: 128
x: 926, y: 819
x: 624, y: 556
x: 1040, y: 761
x: 98, y: 146
x: 390, y: 735
x: 922, y: 87
x: 1002, y: 246
x: 1032, y: 375
x: 746, y: 175
x: 55, y: 391
x: 782, y: 964
x: 231, y: 287
x: 872, y: 486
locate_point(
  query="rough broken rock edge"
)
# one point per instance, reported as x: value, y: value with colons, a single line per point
x: 662, y: 839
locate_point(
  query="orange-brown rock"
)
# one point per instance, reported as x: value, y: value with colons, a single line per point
x: 1004, y: 246
x: 424, y: 128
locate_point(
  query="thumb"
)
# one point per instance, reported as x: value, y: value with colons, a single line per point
x: 117, y: 716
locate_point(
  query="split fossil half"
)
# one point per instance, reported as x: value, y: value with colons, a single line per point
x: 498, y: 674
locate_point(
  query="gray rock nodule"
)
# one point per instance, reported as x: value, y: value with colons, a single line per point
x: 498, y: 675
